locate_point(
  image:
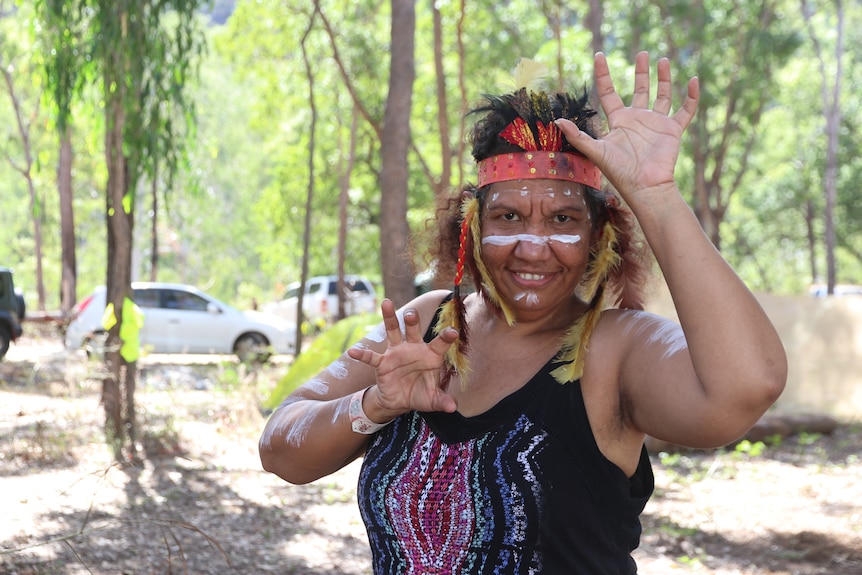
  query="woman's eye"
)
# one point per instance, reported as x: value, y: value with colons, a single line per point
x: 510, y: 217
x: 562, y: 219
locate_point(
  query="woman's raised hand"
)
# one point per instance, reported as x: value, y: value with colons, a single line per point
x: 640, y: 150
x: 409, y: 370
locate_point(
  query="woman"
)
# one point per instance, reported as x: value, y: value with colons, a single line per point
x: 512, y: 440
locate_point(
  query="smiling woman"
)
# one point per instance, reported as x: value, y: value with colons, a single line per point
x: 503, y: 430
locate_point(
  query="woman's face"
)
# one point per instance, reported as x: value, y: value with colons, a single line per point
x: 536, y: 238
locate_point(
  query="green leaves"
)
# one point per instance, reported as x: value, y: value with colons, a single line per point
x: 325, y: 349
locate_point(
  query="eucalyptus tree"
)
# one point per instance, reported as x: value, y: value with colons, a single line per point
x: 397, y: 269
x: 144, y: 51
x: 25, y: 113
x: 62, y: 31
x: 736, y: 49
x: 831, y: 75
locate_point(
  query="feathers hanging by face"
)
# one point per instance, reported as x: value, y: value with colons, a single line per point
x: 574, y: 345
x: 453, y: 313
x: 487, y: 284
x: 605, y: 259
x: 575, y: 341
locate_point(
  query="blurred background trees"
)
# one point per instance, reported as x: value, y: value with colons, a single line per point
x: 755, y: 168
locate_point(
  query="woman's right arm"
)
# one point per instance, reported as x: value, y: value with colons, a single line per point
x: 310, y: 435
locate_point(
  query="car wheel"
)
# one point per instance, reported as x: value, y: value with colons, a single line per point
x: 252, y: 347
x: 5, y: 338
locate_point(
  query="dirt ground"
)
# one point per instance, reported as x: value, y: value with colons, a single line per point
x: 201, y: 504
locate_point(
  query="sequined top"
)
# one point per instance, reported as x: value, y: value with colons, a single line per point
x: 519, y: 489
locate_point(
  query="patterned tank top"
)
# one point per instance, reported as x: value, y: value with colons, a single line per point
x: 519, y: 489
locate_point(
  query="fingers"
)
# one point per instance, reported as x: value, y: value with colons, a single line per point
x: 390, y: 322
x: 365, y: 355
x: 664, y: 90
x: 685, y: 114
x: 641, y: 94
x: 583, y: 142
x: 608, y: 97
x: 411, y: 325
x: 611, y: 101
x: 444, y: 339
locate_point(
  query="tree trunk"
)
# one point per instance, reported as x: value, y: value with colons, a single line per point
x: 832, y: 114
x: 343, y: 205
x: 812, y: 241
x: 69, y: 274
x: 832, y: 109
x: 595, y: 19
x: 442, y: 108
x: 119, y: 220
x: 395, y: 260
x: 306, y: 237
x: 154, y: 227
x: 26, y: 170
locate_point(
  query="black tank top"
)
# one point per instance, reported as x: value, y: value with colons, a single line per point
x: 519, y: 489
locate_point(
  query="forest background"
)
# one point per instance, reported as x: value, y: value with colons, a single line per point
x: 289, y: 104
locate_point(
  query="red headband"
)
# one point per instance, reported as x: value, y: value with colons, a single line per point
x: 539, y: 164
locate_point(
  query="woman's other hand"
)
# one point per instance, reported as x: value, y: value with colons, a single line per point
x: 408, y: 371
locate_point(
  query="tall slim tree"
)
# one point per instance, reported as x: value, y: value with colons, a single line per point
x: 25, y: 167
x: 736, y: 82
x: 145, y: 50
x: 832, y: 115
x: 62, y: 31
x: 395, y: 263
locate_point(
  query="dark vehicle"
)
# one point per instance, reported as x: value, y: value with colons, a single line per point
x: 12, y: 311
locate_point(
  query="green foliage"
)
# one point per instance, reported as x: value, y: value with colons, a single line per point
x: 232, y: 222
x: 325, y: 349
x: 749, y: 448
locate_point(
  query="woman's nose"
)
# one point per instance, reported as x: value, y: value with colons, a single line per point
x: 532, y: 246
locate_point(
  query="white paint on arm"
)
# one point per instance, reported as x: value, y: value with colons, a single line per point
x: 656, y: 330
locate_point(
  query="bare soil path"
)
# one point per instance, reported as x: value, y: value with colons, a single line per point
x: 200, y: 503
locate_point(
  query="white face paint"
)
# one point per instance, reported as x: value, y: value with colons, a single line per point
x: 531, y: 298
x: 530, y: 238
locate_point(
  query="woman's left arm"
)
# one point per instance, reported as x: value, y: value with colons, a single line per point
x: 710, y: 383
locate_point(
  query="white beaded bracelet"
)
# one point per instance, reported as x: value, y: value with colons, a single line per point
x: 358, y: 420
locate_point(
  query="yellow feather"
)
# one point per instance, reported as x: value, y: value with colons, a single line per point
x: 476, y: 230
x: 530, y: 74
x: 575, y: 343
x: 454, y: 356
x: 606, y: 259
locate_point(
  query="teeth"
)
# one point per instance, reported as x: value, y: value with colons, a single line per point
x: 532, y: 277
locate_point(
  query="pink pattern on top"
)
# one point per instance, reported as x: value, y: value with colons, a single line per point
x: 431, y: 506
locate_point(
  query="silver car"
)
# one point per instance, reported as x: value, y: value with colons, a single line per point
x: 180, y: 318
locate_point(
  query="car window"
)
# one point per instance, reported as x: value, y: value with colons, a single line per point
x: 313, y: 288
x: 178, y: 299
x: 293, y: 292
x: 146, y: 297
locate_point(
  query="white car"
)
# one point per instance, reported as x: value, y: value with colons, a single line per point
x: 320, y: 301
x: 182, y: 319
